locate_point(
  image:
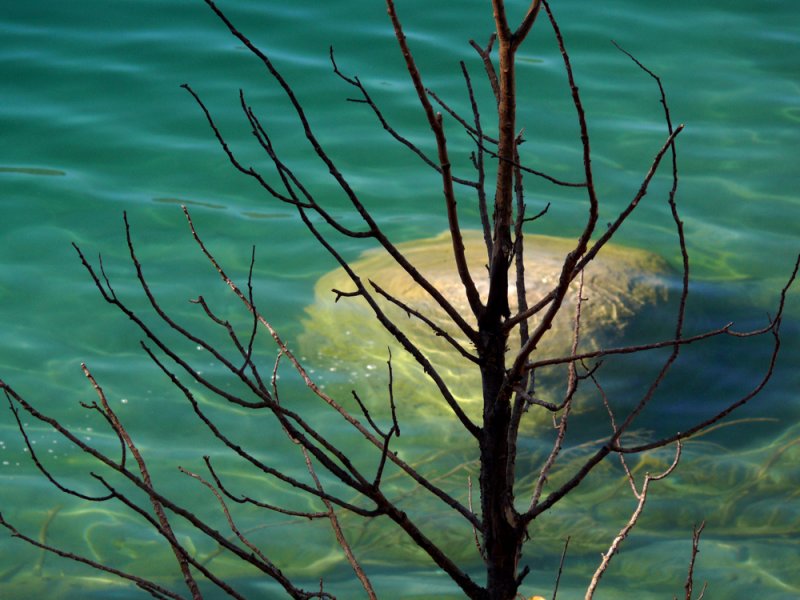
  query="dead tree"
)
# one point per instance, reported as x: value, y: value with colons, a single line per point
x: 501, y: 522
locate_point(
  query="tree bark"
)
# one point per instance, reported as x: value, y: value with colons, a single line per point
x: 502, y: 532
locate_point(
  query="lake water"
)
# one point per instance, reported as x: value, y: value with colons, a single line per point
x: 94, y: 123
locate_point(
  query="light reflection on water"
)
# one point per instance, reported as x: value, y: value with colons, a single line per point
x: 733, y: 492
x: 94, y: 123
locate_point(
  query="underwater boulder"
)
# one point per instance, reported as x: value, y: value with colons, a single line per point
x: 346, y: 340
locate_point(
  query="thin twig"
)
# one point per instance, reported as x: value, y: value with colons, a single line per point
x: 615, y: 544
x: 435, y: 123
x: 436, y: 329
x: 227, y: 514
x: 158, y: 508
x: 560, y: 567
x: 572, y: 388
x: 486, y: 56
x: 366, y: 98
x: 696, y: 531
x: 339, y: 533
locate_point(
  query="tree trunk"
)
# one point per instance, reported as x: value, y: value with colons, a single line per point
x: 502, y: 533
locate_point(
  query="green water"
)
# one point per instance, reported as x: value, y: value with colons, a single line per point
x: 94, y: 122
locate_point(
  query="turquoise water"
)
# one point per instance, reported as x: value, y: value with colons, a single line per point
x: 94, y: 123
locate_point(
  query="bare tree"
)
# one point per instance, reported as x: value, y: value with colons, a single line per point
x: 495, y: 337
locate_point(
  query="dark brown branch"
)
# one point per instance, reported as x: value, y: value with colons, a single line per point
x: 773, y: 328
x: 480, y: 167
x: 471, y: 129
x: 523, y: 398
x: 290, y: 180
x: 373, y: 228
x: 435, y: 490
x: 395, y: 429
x: 367, y: 99
x: 404, y: 466
x: 679, y: 321
x: 462, y: 579
x: 726, y: 330
x: 367, y: 416
x: 613, y: 445
x: 158, y: 509
x: 438, y: 331
x: 248, y: 500
x: 572, y: 388
x: 689, y: 586
x: 283, y: 416
x: 592, y: 252
x: 228, y: 516
x: 110, y: 296
x: 689, y: 432
x: 340, y: 294
x: 339, y: 534
x: 249, y: 171
x: 185, y: 555
x: 527, y: 22
x: 642, y: 498
x: 517, y: 164
x: 395, y: 331
x: 390, y: 390
x: 560, y: 567
x: 538, y: 215
x: 149, y: 491
x: 358, y: 483
x: 556, y: 495
x: 12, y: 396
x: 245, y: 354
x: 435, y: 122
x: 571, y: 260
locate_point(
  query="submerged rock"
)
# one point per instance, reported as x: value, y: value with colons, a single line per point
x: 345, y: 338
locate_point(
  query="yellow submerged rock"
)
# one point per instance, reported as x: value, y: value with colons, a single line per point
x: 344, y: 336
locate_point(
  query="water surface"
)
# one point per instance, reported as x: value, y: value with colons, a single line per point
x: 94, y: 123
